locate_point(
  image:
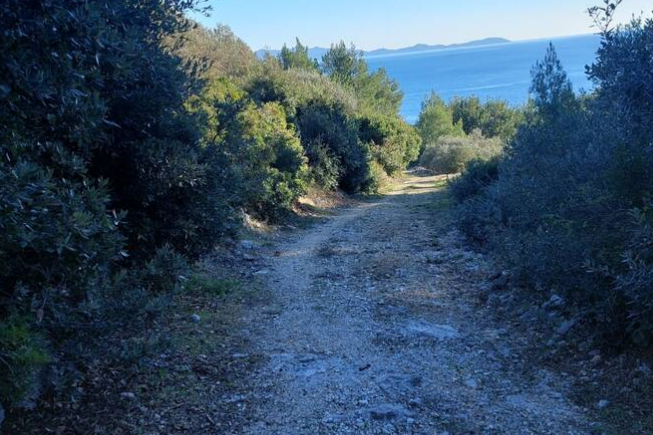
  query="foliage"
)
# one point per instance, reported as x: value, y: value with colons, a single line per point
x: 376, y: 91
x: 394, y: 144
x: 326, y: 171
x: 297, y: 57
x: 218, y: 53
x: 340, y: 132
x: 271, y: 159
x: 93, y: 123
x: 478, y: 175
x: 436, y: 121
x: 551, y: 88
x: 342, y: 64
x: 22, y: 357
x: 570, y: 209
x: 256, y: 150
x: 57, y: 238
x: 494, y: 118
x: 329, y: 124
x: 450, y: 155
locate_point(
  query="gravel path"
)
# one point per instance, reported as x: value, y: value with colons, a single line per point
x: 378, y: 330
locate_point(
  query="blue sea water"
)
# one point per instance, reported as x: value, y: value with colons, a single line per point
x: 499, y: 71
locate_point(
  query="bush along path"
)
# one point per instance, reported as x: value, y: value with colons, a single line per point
x: 375, y: 326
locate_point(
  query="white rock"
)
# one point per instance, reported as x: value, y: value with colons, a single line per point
x: 248, y: 244
x: 566, y: 327
x: 431, y: 330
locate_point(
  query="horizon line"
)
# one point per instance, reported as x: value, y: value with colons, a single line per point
x: 508, y: 41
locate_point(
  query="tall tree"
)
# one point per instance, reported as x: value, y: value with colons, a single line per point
x: 297, y: 57
x: 436, y: 121
x: 343, y: 64
x: 551, y: 87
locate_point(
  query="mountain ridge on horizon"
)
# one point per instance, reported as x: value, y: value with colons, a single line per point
x: 318, y: 52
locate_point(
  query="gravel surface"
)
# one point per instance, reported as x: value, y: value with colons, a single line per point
x: 377, y: 329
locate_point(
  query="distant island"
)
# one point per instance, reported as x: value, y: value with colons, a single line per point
x: 318, y: 52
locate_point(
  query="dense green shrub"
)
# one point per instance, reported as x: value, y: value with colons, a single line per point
x: 324, y: 113
x: 478, y: 175
x: 436, y: 121
x: 59, y: 244
x: 480, y: 217
x: 450, y: 155
x: 636, y: 281
x: 257, y: 151
x: 347, y: 118
x: 270, y: 157
x: 93, y: 125
x: 494, y: 118
x: 54, y: 231
x: 329, y: 124
x: 394, y: 143
x: 325, y: 168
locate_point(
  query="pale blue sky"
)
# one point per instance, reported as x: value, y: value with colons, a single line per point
x: 372, y: 24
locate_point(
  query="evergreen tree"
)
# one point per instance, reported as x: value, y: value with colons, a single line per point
x: 297, y: 57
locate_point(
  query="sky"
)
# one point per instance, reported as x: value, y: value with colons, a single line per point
x: 372, y: 24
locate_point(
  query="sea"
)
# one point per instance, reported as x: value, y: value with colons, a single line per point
x: 496, y: 71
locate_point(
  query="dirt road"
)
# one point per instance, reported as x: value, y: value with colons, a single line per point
x: 377, y: 329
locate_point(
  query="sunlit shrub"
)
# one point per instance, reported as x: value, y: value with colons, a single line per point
x: 451, y: 155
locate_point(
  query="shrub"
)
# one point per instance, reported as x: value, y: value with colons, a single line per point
x: 477, y: 176
x: 59, y: 246
x: 22, y: 356
x: 394, y: 143
x: 450, y: 155
x: 324, y: 123
x: 217, y: 52
x: 325, y: 167
x: 636, y: 281
x: 303, y: 86
x: 570, y: 210
x: 346, y: 120
x: 494, y: 118
x: 480, y: 217
x: 271, y: 159
x: 436, y: 121
x: 94, y: 124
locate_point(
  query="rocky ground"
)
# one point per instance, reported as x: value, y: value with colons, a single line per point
x: 374, y: 327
